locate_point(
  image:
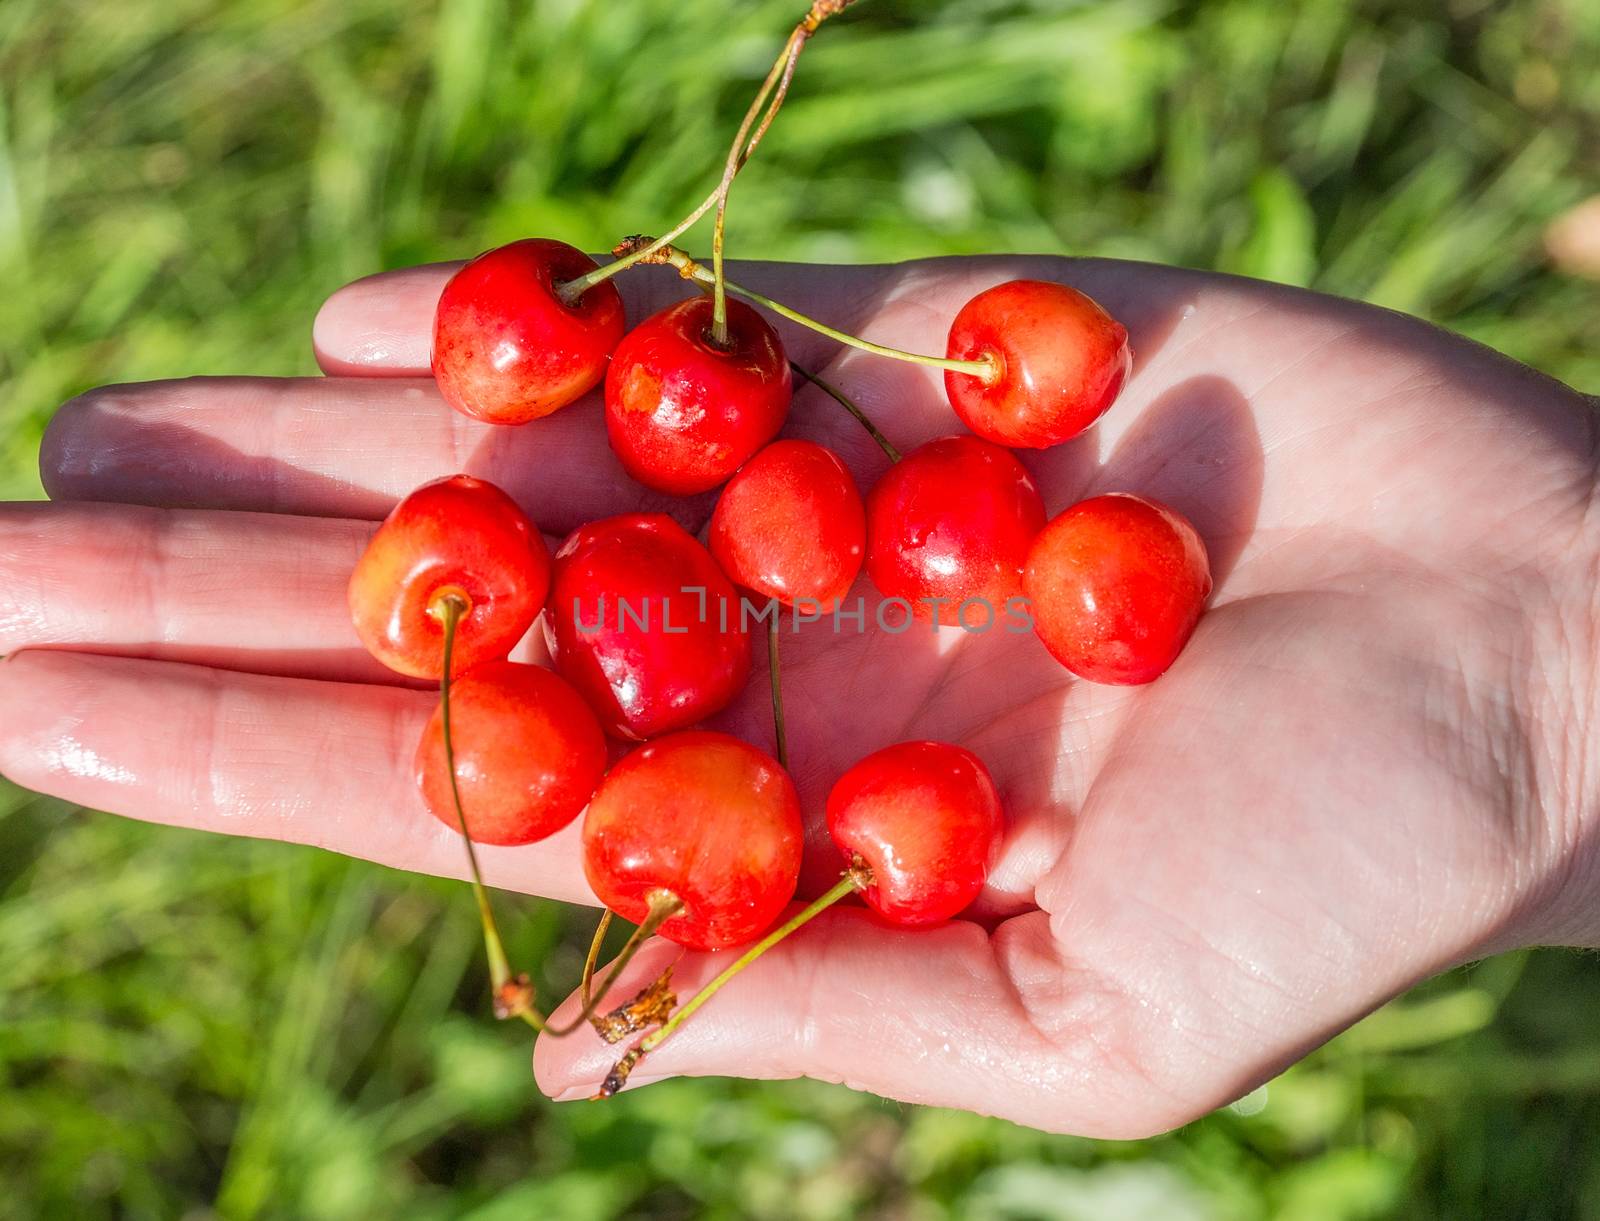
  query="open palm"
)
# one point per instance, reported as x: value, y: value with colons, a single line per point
x: 1367, y: 766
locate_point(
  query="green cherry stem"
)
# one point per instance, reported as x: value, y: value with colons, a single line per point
x: 827, y: 387
x: 572, y: 291
x: 663, y: 905
x: 857, y: 877
x: 777, y: 85
x: 821, y: 10
x: 774, y: 629
x: 600, y: 930
x: 513, y: 993
x: 782, y: 69
x: 689, y: 269
x: 845, y: 401
x: 739, y: 153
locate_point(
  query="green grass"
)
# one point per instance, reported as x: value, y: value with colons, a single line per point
x: 194, y: 1027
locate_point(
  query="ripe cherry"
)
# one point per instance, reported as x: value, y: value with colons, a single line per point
x: 926, y: 819
x: 507, y: 347
x: 1060, y: 362
x: 1117, y: 584
x: 682, y: 412
x: 706, y: 819
x: 456, y: 535
x: 791, y: 526
x: 951, y: 523
x: 645, y: 625
x: 919, y: 824
x: 528, y: 754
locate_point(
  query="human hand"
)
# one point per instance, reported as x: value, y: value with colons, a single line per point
x: 1369, y: 764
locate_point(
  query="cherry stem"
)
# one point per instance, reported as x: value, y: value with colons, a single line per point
x: 738, y: 154
x: 857, y: 877
x: 513, y: 994
x: 774, y: 629
x: 593, y: 957
x: 844, y: 400
x: 838, y: 395
x: 986, y: 369
x: 663, y: 905
x: 572, y: 291
x: 782, y: 68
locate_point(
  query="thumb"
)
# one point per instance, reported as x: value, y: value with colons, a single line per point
x: 928, y: 1016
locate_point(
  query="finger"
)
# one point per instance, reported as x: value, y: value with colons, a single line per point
x: 936, y: 1016
x: 240, y: 591
x: 327, y: 447
x: 257, y: 592
x: 326, y: 764
x: 352, y: 446
x: 382, y: 325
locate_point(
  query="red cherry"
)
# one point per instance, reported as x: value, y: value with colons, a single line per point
x: 645, y: 625
x: 1062, y: 361
x: 790, y: 525
x: 460, y: 535
x: 529, y: 754
x: 926, y: 819
x: 709, y: 819
x: 1116, y: 585
x: 683, y: 413
x: 953, y: 520
x: 506, y: 348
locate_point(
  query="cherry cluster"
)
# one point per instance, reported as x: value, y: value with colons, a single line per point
x: 695, y: 835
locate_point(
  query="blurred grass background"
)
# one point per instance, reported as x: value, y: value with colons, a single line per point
x: 191, y: 1027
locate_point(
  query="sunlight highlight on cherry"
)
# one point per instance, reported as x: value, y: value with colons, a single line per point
x: 456, y: 534
x: 1117, y: 584
x: 791, y: 526
x: 528, y: 754
x: 507, y: 348
x: 645, y: 625
x: 952, y: 522
x: 926, y: 819
x: 1061, y: 361
x: 683, y: 413
x: 705, y: 817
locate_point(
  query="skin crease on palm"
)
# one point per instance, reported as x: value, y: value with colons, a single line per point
x: 1374, y: 761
